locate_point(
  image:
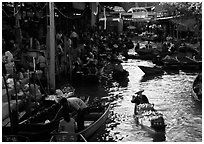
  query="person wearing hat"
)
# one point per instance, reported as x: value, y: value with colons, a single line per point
x: 143, y: 98
x: 139, y: 99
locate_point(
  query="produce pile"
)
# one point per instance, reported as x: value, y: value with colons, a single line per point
x: 146, y: 112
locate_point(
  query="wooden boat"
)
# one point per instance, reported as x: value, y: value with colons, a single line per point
x: 189, y: 63
x: 145, y: 51
x: 40, y: 124
x: 93, y: 121
x: 197, y: 88
x: 96, y: 124
x: 120, y: 75
x: 14, y: 138
x: 147, y: 116
x: 149, y: 77
x: 151, y: 70
x: 67, y: 137
x: 35, y: 127
x: 171, y: 63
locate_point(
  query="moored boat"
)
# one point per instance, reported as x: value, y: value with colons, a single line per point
x: 189, y: 63
x: 93, y: 121
x: 67, y: 137
x: 151, y: 70
x: 197, y: 88
x: 144, y: 51
x: 36, y: 127
x: 97, y: 120
x: 14, y: 138
x: 171, y: 63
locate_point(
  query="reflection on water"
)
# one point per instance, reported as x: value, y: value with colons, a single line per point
x: 171, y: 95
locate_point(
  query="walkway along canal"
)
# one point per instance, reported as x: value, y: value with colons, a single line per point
x: 171, y: 95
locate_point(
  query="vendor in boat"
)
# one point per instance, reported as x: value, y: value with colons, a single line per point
x: 143, y: 98
x: 67, y: 124
x: 75, y: 106
x: 139, y: 99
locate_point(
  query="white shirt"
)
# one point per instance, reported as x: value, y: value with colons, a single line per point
x: 69, y: 127
x: 77, y: 103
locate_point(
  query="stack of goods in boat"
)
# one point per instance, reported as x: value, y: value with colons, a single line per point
x: 148, y: 116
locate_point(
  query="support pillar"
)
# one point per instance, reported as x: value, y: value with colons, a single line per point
x: 51, y: 47
x: 94, y: 12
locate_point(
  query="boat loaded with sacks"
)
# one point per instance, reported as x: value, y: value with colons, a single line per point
x: 146, y: 115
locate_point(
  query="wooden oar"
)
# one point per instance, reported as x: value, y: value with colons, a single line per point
x: 83, y: 137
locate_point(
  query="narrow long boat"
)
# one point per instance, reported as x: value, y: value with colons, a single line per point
x: 151, y: 70
x: 93, y: 122
x: 189, y: 63
x: 67, y: 137
x: 98, y: 120
x: 171, y: 63
x: 148, y: 117
x: 197, y: 88
x: 35, y: 127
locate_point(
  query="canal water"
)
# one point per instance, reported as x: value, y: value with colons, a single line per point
x: 171, y: 95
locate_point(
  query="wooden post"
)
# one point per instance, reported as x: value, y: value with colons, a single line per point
x: 51, y: 47
x: 18, y: 32
x: 94, y: 12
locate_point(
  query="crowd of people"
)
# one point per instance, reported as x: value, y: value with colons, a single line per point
x: 93, y: 52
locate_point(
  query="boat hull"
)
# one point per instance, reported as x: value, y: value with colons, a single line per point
x: 150, y: 119
x: 89, y: 131
x: 34, y: 127
x: 97, y: 119
x: 196, y: 86
x: 151, y: 70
